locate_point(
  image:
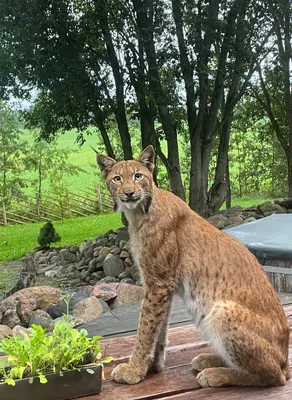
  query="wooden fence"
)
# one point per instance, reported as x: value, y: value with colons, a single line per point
x: 51, y: 208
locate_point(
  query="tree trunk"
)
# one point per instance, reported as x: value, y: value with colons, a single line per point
x: 145, y: 28
x: 101, y: 127
x: 228, y: 188
x: 218, y: 191
x: 120, y: 111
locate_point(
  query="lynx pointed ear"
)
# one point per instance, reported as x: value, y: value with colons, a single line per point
x: 147, y: 158
x: 105, y: 163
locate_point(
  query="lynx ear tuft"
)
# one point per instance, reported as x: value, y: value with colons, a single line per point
x: 105, y: 163
x: 147, y: 158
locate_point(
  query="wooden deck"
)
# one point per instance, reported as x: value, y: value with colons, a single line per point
x: 177, y: 381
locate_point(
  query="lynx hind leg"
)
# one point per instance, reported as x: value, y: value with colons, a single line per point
x: 207, y: 360
x: 248, y: 346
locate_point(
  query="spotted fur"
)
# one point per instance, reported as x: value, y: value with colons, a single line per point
x: 225, y: 289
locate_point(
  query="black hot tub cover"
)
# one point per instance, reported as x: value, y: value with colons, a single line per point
x: 269, y: 237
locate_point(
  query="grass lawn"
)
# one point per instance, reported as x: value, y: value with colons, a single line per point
x: 17, y: 240
x: 245, y: 202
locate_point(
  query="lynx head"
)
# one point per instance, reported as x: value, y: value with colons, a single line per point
x: 129, y: 182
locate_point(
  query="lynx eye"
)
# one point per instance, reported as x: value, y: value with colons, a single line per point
x: 117, y: 179
x: 138, y: 176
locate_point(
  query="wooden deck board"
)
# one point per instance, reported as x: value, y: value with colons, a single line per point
x: 177, y: 381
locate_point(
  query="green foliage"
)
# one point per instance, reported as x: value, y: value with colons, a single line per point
x: 12, y: 152
x: 37, y: 353
x: 18, y: 240
x: 48, y: 235
x: 51, y: 163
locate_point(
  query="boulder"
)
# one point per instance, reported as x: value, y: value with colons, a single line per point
x: 249, y: 219
x: 113, y: 266
x: 59, y: 309
x: 40, y: 317
x: 88, y: 309
x: 11, y: 318
x: 39, y: 296
x: 19, y: 330
x: 219, y: 221
x: 24, y: 309
x: 233, y: 211
x: 128, y: 294
x: 267, y: 208
x: 5, y: 331
x: 235, y: 220
x: 105, y: 291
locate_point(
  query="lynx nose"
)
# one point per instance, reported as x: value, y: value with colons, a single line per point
x: 129, y: 193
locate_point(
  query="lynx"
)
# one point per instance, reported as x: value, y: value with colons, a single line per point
x: 225, y: 289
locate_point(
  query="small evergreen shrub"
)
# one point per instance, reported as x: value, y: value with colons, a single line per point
x: 48, y: 235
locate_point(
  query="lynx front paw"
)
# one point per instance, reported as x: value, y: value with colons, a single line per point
x: 203, y: 361
x: 124, y: 373
x: 210, y: 378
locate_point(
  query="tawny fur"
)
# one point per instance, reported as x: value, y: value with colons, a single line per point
x: 225, y: 289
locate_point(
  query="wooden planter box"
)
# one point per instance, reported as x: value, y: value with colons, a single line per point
x: 71, y: 385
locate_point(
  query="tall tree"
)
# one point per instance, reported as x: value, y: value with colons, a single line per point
x: 274, y: 89
x: 12, y: 149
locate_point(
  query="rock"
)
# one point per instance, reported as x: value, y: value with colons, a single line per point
x: 105, y: 291
x: 103, y: 253
x: 233, y: 211
x: 59, y: 309
x: 19, y: 330
x: 98, y: 275
x: 219, y: 221
x: 105, y: 306
x: 128, y: 262
x: 127, y: 247
x: 92, y: 265
x: 109, y: 279
x: 123, y: 243
x: 68, y: 256
x: 128, y: 280
x: 124, y: 254
x: 5, y: 331
x: 249, y: 219
x: 128, y: 294
x: 84, y: 274
x: 88, y: 309
x: 101, y: 242
x: 267, y: 208
x: 113, y: 266
x: 135, y: 273
x: 40, y: 317
x: 116, y: 251
x: 74, y: 249
x: 235, y: 220
x: 24, y: 309
x: 40, y: 297
x: 11, y: 318
x: 122, y: 235
x: 124, y: 275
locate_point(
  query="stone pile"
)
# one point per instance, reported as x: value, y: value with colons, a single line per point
x: 237, y: 215
x: 105, y: 259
